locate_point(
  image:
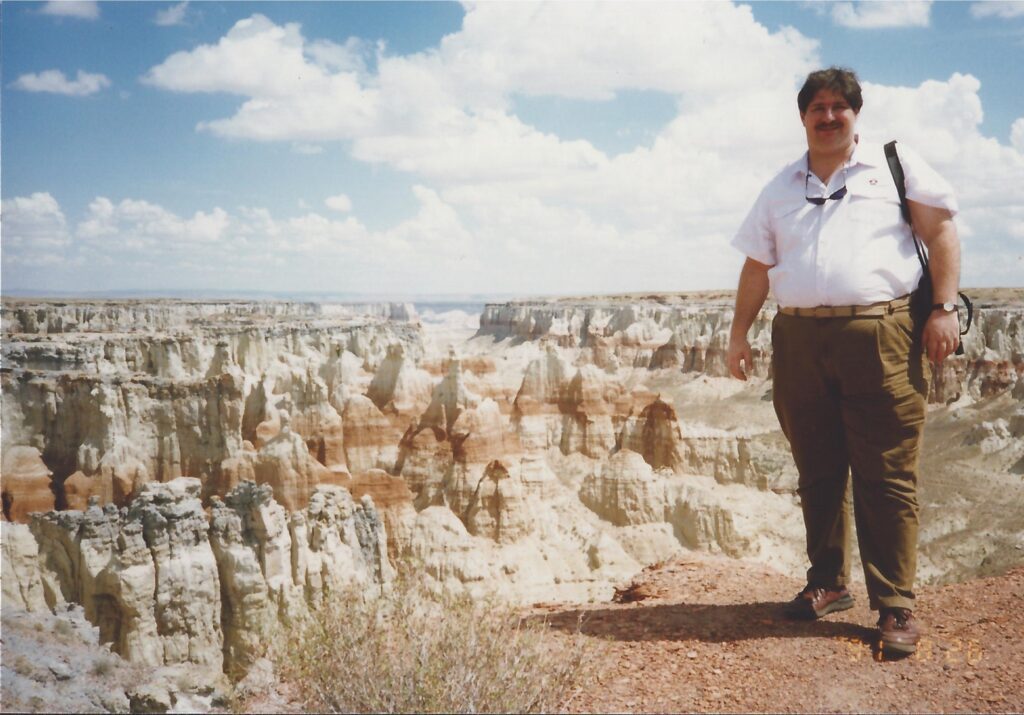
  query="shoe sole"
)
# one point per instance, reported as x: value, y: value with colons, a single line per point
x: 899, y: 648
x: 809, y: 613
x: 840, y: 604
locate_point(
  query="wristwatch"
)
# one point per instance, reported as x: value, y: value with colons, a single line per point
x: 945, y: 307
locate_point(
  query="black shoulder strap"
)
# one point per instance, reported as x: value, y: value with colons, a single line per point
x: 897, y: 175
x: 922, y: 255
x: 901, y: 188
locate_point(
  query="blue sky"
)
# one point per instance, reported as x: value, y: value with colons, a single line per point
x: 400, y: 148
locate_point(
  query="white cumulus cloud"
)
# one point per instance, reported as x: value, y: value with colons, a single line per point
x: 82, y: 9
x: 54, y: 82
x: 874, y: 14
x: 1017, y: 135
x: 35, y: 231
x: 142, y: 225
x: 942, y: 120
x: 341, y: 203
x: 503, y: 205
x: 173, y: 15
x: 1005, y: 9
x: 136, y: 243
x: 307, y: 149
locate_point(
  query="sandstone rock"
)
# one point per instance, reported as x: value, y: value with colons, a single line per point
x: 234, y: 471
x: 481, y: 434
x: 173, y: 389
x: 447, y: 551
x: 338, y: 543
x: 547, y: 462
x: 993, y: 436
x: 150, y: 698
x: 187, y: 585
x: 252, y: 545
x: 146, y: 576
x: 80, y: 490
x: 394, y: 502
x: 398, y: 386
x: 543, y: 384
x: 449, y: 398
x: 287, y: 466
x: 588, y: 402
x: 26, y: 483
x: 626, y: 491
x: 649, y: 543
x: 639, y: 334
x: 656, y: 435
x: 259, y: 680
x: 735, y: 521
x: 724, y: 456
x: 270, y: 427
x: 371, y: 441
x: 1016, y: 423
x: 498, y: 508
x: 426, y: 460
x: 22, y: 587
x: 166, y: 586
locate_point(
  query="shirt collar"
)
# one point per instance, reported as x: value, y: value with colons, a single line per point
x: 866, y: 153
x: 869, y: 154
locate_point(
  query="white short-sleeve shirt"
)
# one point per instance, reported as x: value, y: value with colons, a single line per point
x: 853, y: 251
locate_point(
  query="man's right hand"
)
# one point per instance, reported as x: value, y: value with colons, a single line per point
x: 739, y: 357
x: 750, y: 296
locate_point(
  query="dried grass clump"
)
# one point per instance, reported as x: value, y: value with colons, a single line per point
x: 412, y: 650
x: 103, y: 665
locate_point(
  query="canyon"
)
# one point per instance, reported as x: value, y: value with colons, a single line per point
x: 195, y: 474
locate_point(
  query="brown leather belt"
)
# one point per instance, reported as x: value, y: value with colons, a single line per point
x: 849, y: 311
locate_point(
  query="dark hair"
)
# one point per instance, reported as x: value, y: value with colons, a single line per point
x: 838, y: 79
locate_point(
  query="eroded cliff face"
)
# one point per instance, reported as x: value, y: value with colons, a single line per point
x: 48, y: 317
x: 166, y: 582
x: 647, y: 334
x: 250, y: 459
x: 184, y: 390
x: 695, y: 338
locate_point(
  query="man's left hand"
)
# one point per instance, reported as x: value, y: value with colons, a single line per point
x: 941, y: 335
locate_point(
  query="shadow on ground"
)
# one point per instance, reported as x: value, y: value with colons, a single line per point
x: 698, y: 621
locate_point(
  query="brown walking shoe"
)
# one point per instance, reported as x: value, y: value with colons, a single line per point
x: 899, y: 631
x: 815, y: 602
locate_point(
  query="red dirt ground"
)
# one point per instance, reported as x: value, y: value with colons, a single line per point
x: 706, y: 635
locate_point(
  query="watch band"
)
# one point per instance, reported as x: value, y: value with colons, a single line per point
x: 945, y: 307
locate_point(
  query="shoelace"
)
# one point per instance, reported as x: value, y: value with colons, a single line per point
x: 900, y: 616
x: 813, y: 593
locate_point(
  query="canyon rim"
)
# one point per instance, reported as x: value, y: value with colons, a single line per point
x: 192, y: 473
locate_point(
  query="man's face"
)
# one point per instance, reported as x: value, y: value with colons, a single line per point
x: 829, y: 122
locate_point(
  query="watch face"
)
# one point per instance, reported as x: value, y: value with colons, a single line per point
x: 949, y: 307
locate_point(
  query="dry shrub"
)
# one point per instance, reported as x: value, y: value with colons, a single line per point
x: 413, y: 650
x: 63, y: 630
x: 103, y: 665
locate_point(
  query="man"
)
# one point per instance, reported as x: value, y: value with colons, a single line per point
x: 850, y: 363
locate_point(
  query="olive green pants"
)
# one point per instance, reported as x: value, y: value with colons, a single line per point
x: 850, y: 395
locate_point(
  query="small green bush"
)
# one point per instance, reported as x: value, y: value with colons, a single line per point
x: 413, y: 650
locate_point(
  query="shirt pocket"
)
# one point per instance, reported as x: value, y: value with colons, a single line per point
x: 794, y: 225
x: 874, y: 203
